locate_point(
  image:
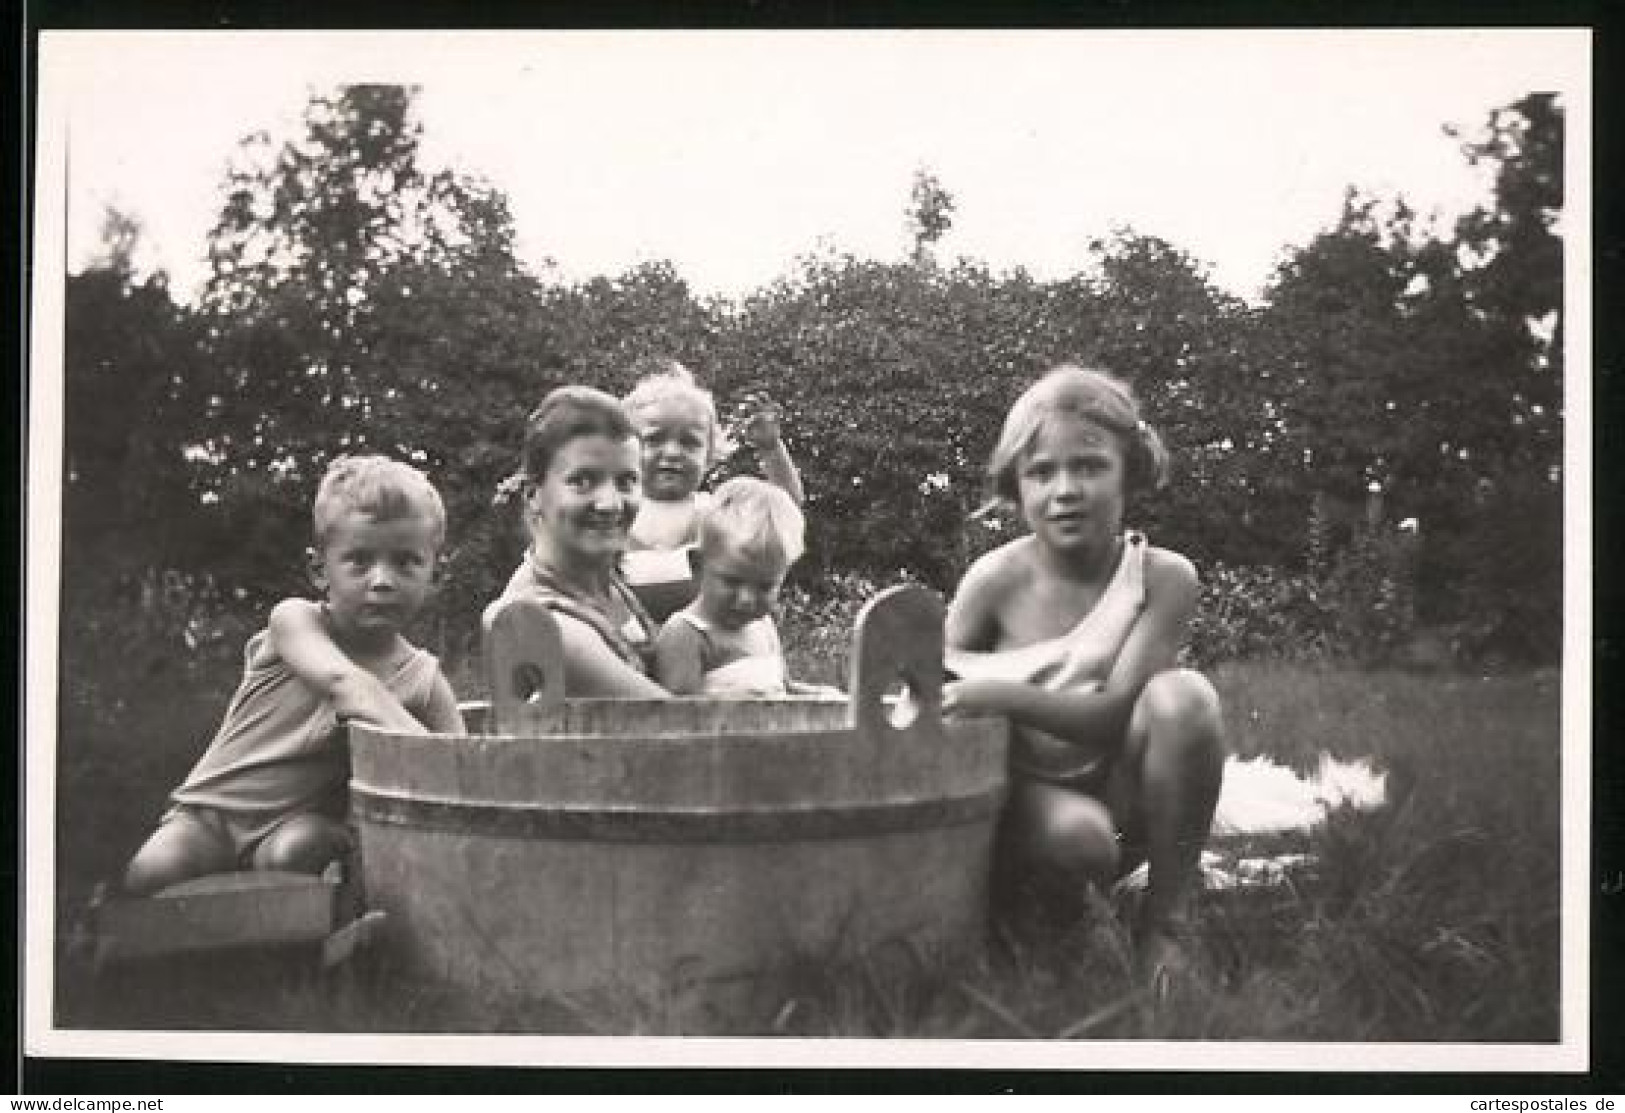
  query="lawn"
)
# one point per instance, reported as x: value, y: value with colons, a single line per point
x: 1434, y: 918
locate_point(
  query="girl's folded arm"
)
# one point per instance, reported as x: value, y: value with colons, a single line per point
x: 1100, y: 718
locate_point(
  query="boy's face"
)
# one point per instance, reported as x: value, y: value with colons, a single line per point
x: 736, y: 588
x: 377, y: 574
x: 676, y: 436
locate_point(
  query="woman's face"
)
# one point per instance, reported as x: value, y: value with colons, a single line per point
x: 585, y: 503
x: 1071, y: 483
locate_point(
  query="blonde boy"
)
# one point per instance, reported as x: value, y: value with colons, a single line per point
x: 271, y: 791
x: 725, y: 643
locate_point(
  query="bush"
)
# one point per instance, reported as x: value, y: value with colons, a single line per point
x: 147, y: 665
x: 1259, y: 614
x: 816, y: 623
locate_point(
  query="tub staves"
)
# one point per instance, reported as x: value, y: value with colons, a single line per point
x: 686, y: 851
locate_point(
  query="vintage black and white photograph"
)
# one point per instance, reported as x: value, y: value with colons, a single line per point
x: 1058, y: 548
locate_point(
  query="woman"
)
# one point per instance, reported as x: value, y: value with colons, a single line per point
x: 581, y: 487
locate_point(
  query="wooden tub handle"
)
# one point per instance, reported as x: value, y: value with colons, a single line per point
x: 898, y: 637
x: 524, y: 661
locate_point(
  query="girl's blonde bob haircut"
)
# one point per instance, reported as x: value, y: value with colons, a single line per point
x: 384, y: 490
x: 759, y: 521
x: 1088, y: 394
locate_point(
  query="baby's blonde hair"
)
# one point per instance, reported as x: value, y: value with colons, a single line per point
x: 662, y: 379
x: 759, y: 520
x: 1092, y: 395
x: 383, y: 489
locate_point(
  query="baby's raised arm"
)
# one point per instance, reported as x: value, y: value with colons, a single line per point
x: 300, y: 637
x: 760, y: 430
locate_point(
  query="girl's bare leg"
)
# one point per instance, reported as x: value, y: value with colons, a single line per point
x: 1175, y: 763
x: 1064, y: 834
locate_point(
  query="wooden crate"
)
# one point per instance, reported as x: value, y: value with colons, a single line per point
x: 263, y: 908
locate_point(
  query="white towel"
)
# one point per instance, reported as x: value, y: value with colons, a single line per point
x: 1260, y: 797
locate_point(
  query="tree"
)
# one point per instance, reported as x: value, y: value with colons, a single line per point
x: 1431, y: 364
x: 930, y: 214
x: 130, y: 364
x: 1515, y: 246
x: 1513, y: 288
x: 605, y: 326
x: 360, y: 302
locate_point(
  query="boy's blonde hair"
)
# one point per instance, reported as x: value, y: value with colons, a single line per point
x: 662, y: 379
x: 756, y: 518
x: 1092, y: 395
x: 381, y: 488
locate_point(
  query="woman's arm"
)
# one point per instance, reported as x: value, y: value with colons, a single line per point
x: 1099, y: 718
x: 592, y: 668
x: 299, y: 636
x: 679, y: 661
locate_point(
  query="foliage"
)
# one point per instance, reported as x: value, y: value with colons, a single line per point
x: 1432, y: 366
x: 363, y: 301
x: 1258, y: 613
x: 930, y: 215
x: 889, y: 482
x: 130, y: 360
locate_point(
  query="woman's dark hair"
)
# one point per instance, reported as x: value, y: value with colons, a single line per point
x: 565, y: 414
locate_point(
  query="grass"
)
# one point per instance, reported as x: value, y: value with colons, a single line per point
x: 1436, y: 918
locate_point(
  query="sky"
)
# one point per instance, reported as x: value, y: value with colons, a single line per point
x: 731, y: 154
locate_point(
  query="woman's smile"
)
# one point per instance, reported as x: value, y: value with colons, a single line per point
x: 589, y: 497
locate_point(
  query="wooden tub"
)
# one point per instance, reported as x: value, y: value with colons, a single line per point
x: 686, y: 852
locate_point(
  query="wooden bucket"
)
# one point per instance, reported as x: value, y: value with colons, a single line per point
x: 685, y: 853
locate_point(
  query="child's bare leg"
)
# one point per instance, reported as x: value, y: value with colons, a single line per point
x: 304, y: 844
x: 1064, y: 834
x: 1176, y: 758
x: 182, y: 848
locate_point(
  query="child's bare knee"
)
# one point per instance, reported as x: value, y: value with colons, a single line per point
x: 305, y: 844
x: 179, y: 850
x: 1079, y: 837
x: 1183, y: 699
x: 147, y: 874
x: 155, y: 868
